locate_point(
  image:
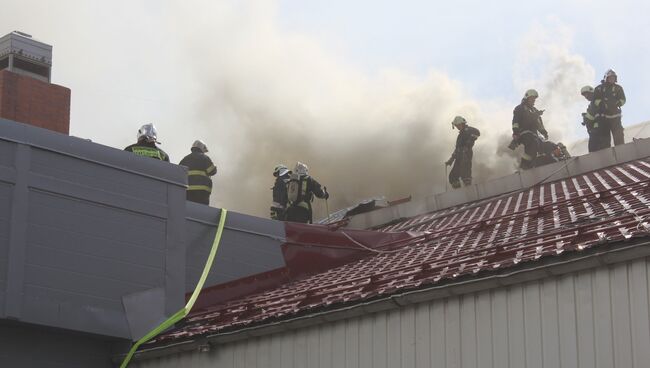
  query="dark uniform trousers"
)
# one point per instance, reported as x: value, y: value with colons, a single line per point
x: 462, y: 169
x: 531, y: 149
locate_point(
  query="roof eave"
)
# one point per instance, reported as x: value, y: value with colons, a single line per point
x: 608, y: 254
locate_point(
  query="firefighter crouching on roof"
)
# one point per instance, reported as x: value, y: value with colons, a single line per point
x: 462, y: 156
x: 609, y: 97
x: 526, y: 122
x: 199, y: 170
x: 147, y: 141
x: 279, y: 204
x: 592, y: 120
x: 301, y: 190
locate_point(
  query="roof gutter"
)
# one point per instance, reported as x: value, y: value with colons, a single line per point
x: 553, y: 266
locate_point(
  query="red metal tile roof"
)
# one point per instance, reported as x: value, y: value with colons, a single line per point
x: 607, y: 205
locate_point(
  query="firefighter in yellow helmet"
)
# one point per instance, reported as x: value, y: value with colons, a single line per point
x: 461, y: 158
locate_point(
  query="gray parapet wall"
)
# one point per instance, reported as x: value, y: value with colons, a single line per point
x: 98, y: 240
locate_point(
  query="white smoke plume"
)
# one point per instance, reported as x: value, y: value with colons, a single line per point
x: 259, y: 95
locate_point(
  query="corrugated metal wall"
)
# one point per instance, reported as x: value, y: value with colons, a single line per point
x: 596, y: 318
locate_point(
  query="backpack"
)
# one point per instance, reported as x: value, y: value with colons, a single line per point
x: 294, y: 189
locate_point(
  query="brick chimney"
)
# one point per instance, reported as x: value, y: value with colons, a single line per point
x: 26, y: 94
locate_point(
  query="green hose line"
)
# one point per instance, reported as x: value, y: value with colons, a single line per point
x: 190, y: 303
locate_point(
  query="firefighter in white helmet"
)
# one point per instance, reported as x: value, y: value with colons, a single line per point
x: 526, y: 123
x: 301, y: 190
x: 147, y: 144
x: 593, y: 121
x: 608, y: 98
x: 199, y: 170
x: 280, y: 200
x: 461, y: 158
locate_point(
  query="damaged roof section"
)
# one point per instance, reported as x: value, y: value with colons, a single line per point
x: 567, y: 216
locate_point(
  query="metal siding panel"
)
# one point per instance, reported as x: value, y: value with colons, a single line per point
x: 250, y: 360
x: 325, y: 341
x: 438, y: 342
x: 567, y: 326
x: 639, y: 313
x: 352, y: 343
x: 500, y: 327
x: 408, y: 336
x: 300, y: 348
x: 468, y: 331
x: 394, y: 339
x: 550, y: 324
x: 287, y: 350
x: 585, y: 319
x: 366, y: 341
x: 422, y: 336
x: 516, y: 331
x: 603, y: 332
x: 452, y: 333
x: 338, y: 344
x: 313, y: 347
x: 239, y: 354
x: 264, y: 352
x: 533, y: 325
x: 380, y: 341
x: 276, y: 351
x: 621, y: 317
x: 484, y: 329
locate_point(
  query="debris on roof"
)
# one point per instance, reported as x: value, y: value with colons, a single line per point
x: 570, y: 215
x: 367, y: 205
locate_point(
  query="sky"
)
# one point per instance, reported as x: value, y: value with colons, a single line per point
x: 362, y: 91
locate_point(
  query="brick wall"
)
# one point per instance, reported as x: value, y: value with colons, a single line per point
x: 30, y: 101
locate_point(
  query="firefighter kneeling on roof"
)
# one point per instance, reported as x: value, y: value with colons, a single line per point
x: 462, y: 156
x: 301, y: 189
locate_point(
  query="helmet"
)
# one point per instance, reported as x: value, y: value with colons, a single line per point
x: 301, y: 169
x: 586, y: 89
x: 610, y: 73
x: 458, y: 120
x: 280, y: 170
x: 531, y: 93
x: 200, y: 145
x: 148, y: 133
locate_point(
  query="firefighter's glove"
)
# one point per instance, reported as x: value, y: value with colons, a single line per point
x: 544, y: 134
x: 449, y: 162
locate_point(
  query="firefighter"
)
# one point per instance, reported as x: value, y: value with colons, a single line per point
x: 462, y: 156
x: 279, y: 204
x: 608, y: 98
x: 301, y: 190
x: 199, y: 170
x: 526, y: 122
x: 598, y: 136
x: 147, y: 144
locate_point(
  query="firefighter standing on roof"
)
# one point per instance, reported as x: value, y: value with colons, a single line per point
x: 279, y: 204
x: 199, y: 170
x: 301, y: 190
x: 147, y: 144
x: 592, y: 120
x: 526, y: 122
x: 462, y: 156
x: 609, y: 97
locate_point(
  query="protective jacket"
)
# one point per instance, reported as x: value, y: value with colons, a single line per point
x: 280, y: 200
x: 148, y: 149
x: 301, y: 210
x: 609, y: 98
x: 199, y: 170
x: 527, y: 119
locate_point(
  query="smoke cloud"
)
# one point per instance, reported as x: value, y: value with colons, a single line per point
x: 282, y: 98
x: 260, y: 95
